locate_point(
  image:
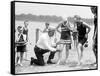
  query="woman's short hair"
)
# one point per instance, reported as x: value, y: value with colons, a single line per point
x: 19, y: 27
x: 77, y: 17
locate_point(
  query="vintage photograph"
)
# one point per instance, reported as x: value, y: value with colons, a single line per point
x: 54, y: 37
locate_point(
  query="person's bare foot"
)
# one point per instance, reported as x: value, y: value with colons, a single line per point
x: 79, y: 63
x: 61, y: 63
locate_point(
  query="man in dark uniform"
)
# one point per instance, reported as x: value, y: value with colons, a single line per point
x: 82, y: 35
x: 94, y: 11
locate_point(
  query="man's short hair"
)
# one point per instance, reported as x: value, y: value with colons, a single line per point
x: 51, y: 28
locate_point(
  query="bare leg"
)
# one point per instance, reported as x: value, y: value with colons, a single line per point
x: 21, y: 57
x: 79, y: 51
x: 15, y: 55
x: 67, y: 51
x: 74, y: 44
x: 64, y: 55
x: 60, y: 53
x: 25, y: 55
x: 18, y: 58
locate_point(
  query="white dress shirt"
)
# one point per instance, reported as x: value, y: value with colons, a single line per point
x: 46, y: 42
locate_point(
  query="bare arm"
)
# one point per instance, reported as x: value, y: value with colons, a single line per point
x: 57, y: 28
x: 27, y: 36
x: 45, y: 30
x: 87, y: 26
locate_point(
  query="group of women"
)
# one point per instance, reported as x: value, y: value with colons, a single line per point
x: 79, y: 33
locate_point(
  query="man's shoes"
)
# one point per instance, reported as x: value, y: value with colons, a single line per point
x: 49, y: 62
x: 32, y: 61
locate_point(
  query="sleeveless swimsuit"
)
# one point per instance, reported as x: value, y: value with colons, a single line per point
x: 81, y: 32
x: 65, y: 34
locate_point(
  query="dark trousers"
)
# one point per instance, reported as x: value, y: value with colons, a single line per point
x: 39, y: 54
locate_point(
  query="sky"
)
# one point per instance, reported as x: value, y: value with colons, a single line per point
x: 48, y: 9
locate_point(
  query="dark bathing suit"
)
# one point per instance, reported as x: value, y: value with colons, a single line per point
x: 21, y: 47
x: 65, y: 33
x: 81, y: 32
x: 25, y: 31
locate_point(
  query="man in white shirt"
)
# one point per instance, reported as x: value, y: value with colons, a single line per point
x: 44, y: 45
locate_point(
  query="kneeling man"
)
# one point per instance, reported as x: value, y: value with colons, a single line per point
x: 44, y: 45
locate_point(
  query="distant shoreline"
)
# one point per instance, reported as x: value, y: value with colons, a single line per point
x: 48, y: 18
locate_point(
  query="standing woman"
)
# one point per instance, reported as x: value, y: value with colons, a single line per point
x: 25, y: 32
x: 65, y: 40
x: 83, y: 30
x: 20, y: 41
